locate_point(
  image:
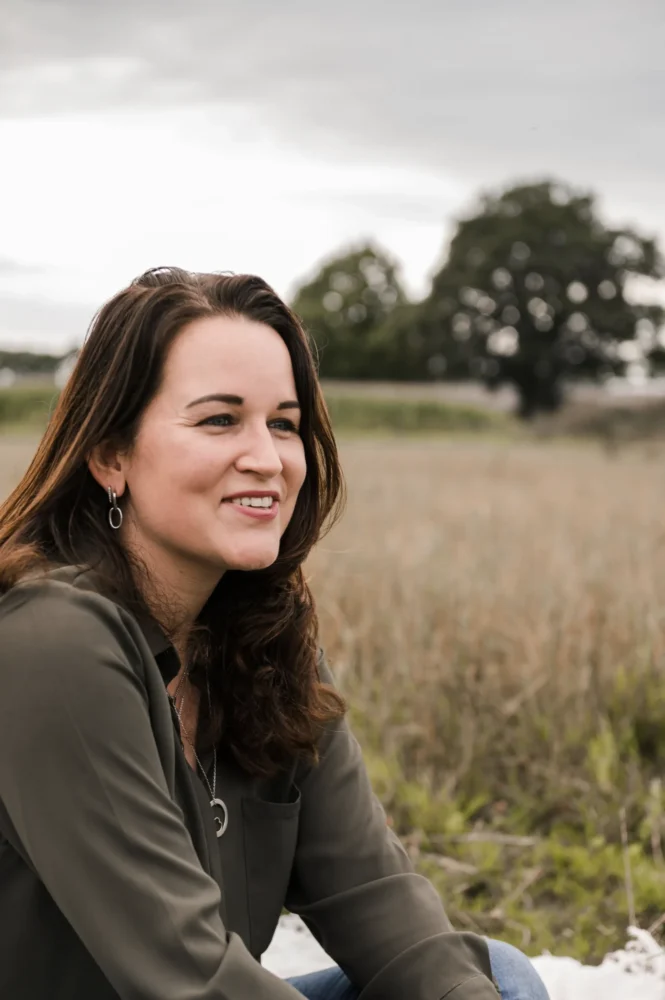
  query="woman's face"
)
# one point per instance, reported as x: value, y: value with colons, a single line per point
x: 218, y: 462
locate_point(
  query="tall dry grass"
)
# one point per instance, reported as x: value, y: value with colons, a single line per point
x: 495, y: 614
x: 491, y: 608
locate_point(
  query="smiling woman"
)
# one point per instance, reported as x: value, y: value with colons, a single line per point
x: 193, y: 454
x: 175, y: 767
x: 189, y: 391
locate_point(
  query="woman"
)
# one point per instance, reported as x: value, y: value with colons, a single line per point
x: 174, y: 762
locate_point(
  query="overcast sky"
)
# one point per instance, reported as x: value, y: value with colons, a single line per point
x: 261, y: 135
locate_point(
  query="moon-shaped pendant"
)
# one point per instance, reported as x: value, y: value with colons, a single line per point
x: 222, y: 824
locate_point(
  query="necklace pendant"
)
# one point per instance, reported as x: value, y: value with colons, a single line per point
x: 222, y: 823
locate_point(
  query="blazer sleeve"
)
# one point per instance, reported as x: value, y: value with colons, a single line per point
x: 84, y: 797
x: 354, y: 886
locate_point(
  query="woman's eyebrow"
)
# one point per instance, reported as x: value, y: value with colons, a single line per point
x: 231, y: 400
x: 217, y: 397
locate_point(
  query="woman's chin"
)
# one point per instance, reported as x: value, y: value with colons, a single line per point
x: 251, y: 559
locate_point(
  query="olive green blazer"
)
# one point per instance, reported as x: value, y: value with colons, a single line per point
x: 113, y: 883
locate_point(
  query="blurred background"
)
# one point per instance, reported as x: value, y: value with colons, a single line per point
x: 464, y: 203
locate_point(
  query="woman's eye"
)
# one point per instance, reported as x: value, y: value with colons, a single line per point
x: 285, y: 425
x: 219, y: 420
x: 228, y: 420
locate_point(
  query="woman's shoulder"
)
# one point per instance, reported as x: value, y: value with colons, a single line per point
x: 60, y: 608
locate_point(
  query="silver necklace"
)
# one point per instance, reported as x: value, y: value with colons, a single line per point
x: 221, y: 822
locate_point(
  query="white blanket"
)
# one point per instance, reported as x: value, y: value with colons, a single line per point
x: 634, y: 973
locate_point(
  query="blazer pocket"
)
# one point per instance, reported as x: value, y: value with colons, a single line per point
x: 271, y: 835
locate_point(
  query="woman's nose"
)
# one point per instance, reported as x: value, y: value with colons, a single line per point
x: 259, y: 454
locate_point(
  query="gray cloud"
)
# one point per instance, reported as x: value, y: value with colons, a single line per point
x: 487, y: 89
x: 482, y: 92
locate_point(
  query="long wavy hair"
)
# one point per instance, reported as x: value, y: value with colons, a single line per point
x: 257, y: 636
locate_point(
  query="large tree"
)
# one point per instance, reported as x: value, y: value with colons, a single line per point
x: 533, y: 293
x: 345, y: 306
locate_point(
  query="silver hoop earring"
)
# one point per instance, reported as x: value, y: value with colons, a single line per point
x: 115, y: 514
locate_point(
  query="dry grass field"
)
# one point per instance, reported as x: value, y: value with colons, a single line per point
x: 495, y: 613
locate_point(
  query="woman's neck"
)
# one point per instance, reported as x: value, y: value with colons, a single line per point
x: 173, y: 588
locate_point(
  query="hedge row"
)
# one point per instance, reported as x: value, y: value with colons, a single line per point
x: 32, y: 406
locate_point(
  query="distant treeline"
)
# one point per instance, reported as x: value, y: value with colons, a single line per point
x: 534, y: 291
x: 29, y: 363
x: 29, y: 407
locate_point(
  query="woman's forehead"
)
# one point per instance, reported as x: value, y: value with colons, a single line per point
x: 229, y: 355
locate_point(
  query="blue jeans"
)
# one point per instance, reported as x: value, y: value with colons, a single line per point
x: 516, y: 976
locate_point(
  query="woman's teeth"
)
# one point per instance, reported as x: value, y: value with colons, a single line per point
x: 253, y: 501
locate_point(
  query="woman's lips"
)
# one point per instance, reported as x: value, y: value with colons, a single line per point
x: 259, y: 513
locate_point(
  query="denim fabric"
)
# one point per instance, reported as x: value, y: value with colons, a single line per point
x: 514, y: 973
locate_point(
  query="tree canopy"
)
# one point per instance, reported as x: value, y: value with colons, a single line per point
x: 533, y: 293
x: 345, y: 306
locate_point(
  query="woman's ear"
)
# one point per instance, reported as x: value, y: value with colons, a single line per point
x: 108, y: 466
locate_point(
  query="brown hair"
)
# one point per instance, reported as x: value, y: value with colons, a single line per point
x: 260, y: 628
